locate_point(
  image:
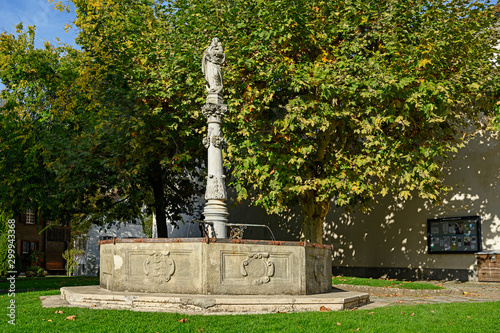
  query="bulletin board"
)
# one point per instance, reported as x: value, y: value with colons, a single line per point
x: 454, y: 235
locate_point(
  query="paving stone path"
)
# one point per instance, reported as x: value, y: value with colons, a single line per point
x: 454, y: 292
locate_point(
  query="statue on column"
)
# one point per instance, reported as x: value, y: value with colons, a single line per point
x: 213, y: 58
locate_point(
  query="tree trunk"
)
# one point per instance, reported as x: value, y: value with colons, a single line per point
x: 313, y: 216
x: 155, y: 178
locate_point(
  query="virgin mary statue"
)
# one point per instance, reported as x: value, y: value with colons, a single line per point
x: 213, y: 58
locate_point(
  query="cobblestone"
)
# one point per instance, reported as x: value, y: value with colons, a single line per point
x: 460, y: 292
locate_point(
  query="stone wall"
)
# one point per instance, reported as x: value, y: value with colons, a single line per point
x: 224, y: 267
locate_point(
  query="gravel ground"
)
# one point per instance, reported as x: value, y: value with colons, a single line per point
x: 455, y: 292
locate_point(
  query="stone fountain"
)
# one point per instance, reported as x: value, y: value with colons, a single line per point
x: 207, y: 273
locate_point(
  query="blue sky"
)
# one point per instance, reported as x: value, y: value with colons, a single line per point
x: 48, y: 21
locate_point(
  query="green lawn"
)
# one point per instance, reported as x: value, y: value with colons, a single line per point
x: 50, y: 282
x: 382, y: 283
x: 457, y: 317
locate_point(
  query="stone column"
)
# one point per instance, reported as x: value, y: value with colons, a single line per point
x: 215, y: 208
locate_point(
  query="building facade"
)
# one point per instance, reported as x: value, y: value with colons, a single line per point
x: 32, y: 234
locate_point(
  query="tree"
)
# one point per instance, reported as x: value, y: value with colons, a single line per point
x: 329, y: 101
x: 72, y: 256
x: 341, y: 101
x: 25, y: 124
x: 106, y: 131
x: 142, y: 98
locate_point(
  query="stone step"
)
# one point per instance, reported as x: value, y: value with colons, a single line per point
x: 97, y: 297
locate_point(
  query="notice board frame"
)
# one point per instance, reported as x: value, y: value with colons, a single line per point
x: 454, y: 235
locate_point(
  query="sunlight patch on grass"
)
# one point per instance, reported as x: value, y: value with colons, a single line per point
x: 385, y: 283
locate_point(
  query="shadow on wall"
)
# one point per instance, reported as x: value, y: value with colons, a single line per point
x: 92, y: 255
x: 391, y: 240
x: 285, y: 227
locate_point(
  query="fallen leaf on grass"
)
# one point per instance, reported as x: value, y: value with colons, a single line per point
x: 403, y: 313
x: 324, y: 309
x: 413, y: 314
x: 70, y: 317
x: 338, y: 324
x: 182, y: 320
x: 432, y: 311
x: 59, y: 311
x: 371, y: 312
x: 49, y: 320
x: 400, y: 301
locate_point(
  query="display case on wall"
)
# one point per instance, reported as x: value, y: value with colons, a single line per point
x: 454, y: 235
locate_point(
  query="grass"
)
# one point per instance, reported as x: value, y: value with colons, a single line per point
x: 382, y: 283
x: 49, y: 282
x: 453, y: 317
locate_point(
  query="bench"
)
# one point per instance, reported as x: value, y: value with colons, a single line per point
x: 55, y: 265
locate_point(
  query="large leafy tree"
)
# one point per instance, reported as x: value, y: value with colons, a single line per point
x: 142, y: 96
x: 330, y: 101
x: 25, y: 125
x: 107, y: 133
x: 342, y: 101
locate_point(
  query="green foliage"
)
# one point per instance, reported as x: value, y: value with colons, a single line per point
x: 71, y: 256
x: 35, y: 271
x: 4, y: 246
x: 36, y: 258
x: 50, y: 282
x: 26, y: 72
x: 86, y: 135
x: 341, y: 101
x: 7, y: 243
x: 329, y: 101
x: 147, y: 226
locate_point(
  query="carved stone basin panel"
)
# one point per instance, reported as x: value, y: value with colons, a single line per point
x: 222, y: 266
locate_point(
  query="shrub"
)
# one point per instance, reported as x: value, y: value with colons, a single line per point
x: 5, y: 258
x: 71, y: 257
x: 35, y: 271
x: 36, y: 258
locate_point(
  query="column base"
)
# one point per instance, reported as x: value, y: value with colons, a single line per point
x: 216, y: 213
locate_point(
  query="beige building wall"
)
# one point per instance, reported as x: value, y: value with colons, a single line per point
x: 391, y: 240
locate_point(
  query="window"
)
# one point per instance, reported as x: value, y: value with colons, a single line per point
x: 28, y: 246
x: 30, y: 216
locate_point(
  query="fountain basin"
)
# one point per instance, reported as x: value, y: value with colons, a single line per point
x: 204, y: 266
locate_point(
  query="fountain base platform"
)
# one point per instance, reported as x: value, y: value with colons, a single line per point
x: 95, y: 297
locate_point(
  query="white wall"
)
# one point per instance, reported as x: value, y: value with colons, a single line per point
x: 92, y: 256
